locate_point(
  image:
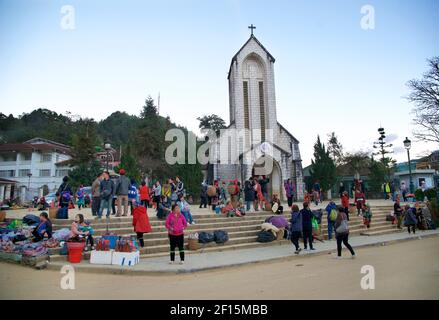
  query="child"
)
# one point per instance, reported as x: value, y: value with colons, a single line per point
x: 80, y: 229
x: 360, y: 201
x: 367, y: 216
x: 345, y: 203
x: 43, y: 229
x: 307, y: 197
x: 80, y: 197
x: 140, y: 222
x: 132, y: 194
x: 175, y: 224
x: 230, y: 211
x: 241, y: 207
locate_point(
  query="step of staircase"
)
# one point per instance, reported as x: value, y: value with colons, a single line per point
x: 242, y: 231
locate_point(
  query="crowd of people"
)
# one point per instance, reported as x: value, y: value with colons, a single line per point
x: 232, y: 199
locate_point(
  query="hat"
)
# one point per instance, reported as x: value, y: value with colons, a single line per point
x: 122, y: 171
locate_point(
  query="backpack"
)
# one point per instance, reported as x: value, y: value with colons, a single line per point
x: 205, y: 237
x: 343, y: 227
x: 65, y: 195
x: 333, y: 215
x: 31, y: 220
x: 220, y: 236
x: 265, y: 236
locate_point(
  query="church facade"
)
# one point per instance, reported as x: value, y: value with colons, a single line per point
x: 255, y: 143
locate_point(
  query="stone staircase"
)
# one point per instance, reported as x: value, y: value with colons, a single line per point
x: 242, y: 231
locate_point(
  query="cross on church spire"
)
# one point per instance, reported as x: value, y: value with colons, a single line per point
x: 252, y: 27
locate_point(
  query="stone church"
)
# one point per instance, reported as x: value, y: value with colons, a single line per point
x: 257, y: 143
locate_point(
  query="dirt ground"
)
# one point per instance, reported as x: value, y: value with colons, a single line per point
x: 406, y: 270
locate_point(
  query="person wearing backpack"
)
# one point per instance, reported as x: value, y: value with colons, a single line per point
x: 307, y: 215
x: 175, y: 224
x: 64, y: 195
x: 296, y: 227
x: 342, y: 233
x: 331, y: 210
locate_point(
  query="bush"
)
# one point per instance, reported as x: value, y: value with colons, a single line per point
x: 431, y: 193
x: 419, y: 195
x: 434, y: 211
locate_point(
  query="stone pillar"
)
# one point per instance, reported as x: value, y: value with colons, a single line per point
x: 2, y: 192
x: 8, y: 191
x: 23, y: 194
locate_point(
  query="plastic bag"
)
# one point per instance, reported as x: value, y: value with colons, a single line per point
x: 315, y: 223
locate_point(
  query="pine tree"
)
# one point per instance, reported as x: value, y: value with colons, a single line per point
x: 323, y: 167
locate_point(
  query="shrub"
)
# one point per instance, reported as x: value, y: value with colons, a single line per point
x: 434, y: 211
x: 419, y: 195
x: 431, y: 193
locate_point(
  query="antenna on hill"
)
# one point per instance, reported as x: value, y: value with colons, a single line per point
x: 158, y: 104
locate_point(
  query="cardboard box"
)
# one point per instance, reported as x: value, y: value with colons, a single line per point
x: 126, y: 258
x: 101, y: 257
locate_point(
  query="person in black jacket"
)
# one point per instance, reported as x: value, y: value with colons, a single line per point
x: 64, y: 193
x: 249, y: 194
x: 307, y: 226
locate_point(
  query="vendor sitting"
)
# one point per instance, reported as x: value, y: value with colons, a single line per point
x: 230, y: 211
x: 42, y: 204
x: 276, y: 205
x: 80, y: 229
x: 44, y: 228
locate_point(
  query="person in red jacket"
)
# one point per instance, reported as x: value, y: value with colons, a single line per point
x: 345, y: 203
x: 140, y: 222
x: 360, y: 201
x: 175, y: 224
x: 144, y: 194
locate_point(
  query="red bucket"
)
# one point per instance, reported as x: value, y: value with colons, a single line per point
x: 75, y: 251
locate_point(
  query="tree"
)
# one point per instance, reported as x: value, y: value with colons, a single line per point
x: 84, y: 174
x: 377, y: 175
x: 357, y: 161
x: 149, y: 109
x: 84, y: 141
x: 335, y: 148
x: 211, y: 122
x: 129, y: 163
x: 323, y: 167
x: 425, y: 96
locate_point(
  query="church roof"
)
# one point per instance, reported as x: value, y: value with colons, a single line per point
x: 270, y: 57
x: 287, y: 132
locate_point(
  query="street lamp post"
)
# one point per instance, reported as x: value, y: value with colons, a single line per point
x: 28, y: 184
x: 408, y: 145
x: 107, y: 147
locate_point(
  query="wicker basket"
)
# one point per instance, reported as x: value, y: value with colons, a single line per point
x: 211, y: 191
x: 52, y: 213
x: 280, y: 234
x: 193, y: 245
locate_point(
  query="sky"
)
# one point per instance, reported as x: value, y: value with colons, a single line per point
x: 332, y: 75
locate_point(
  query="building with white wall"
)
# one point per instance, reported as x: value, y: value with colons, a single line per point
x: 34, y: 167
